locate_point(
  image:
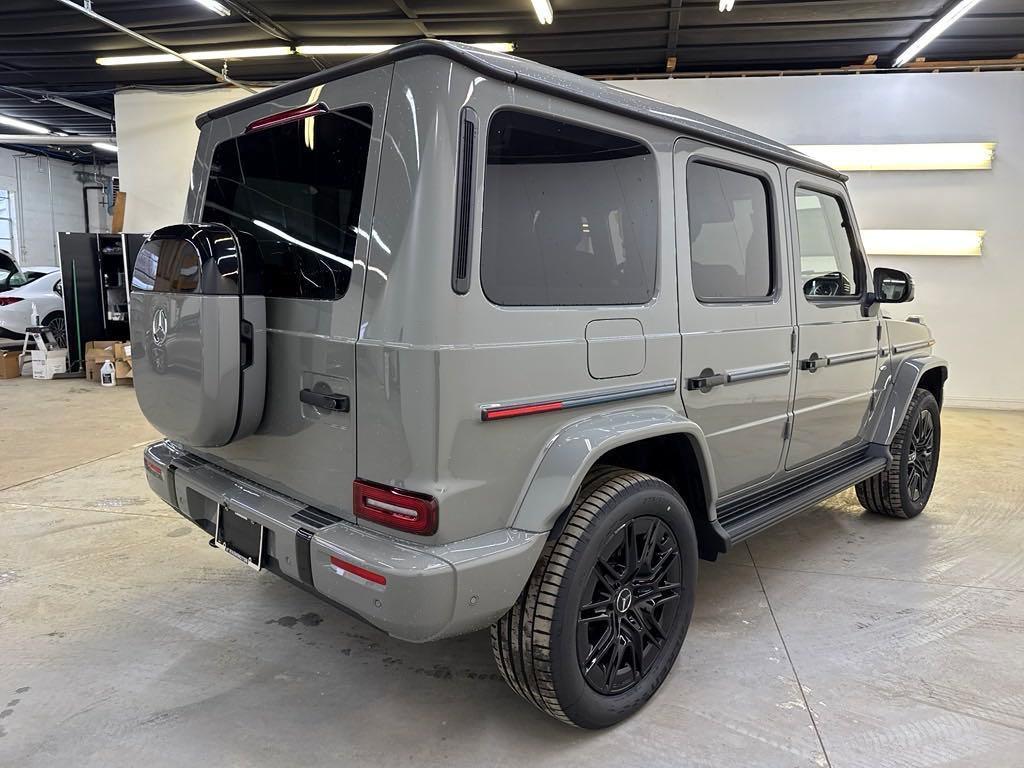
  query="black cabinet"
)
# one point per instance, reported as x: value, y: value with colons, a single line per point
x: 96, y: 272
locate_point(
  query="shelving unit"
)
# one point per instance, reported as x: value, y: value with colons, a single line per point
x: 96, y: 270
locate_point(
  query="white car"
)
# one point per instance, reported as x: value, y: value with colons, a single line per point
x: 39, y: 286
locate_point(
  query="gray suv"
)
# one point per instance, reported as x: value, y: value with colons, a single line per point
x: 454, y: 340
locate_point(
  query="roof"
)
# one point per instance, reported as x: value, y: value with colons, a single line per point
x: 528, y: 74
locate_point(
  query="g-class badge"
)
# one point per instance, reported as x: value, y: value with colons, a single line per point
x: 159, y: 326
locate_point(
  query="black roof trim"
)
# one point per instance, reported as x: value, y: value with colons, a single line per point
x: 616, y: 100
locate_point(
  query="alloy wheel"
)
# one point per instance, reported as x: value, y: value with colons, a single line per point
x: 921, y: 457
x: 629, y: 605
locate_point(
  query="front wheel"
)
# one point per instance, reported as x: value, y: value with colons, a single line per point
x: 903, y: 488
x: 55, y: 322
x: 597, y: 628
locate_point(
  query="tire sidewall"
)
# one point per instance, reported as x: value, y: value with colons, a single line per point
x: 926, y: 403
x: 582, y: 703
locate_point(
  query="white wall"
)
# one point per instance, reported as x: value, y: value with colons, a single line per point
x: 156, y: 140
x: 30, y: 179
x: 972, y: 304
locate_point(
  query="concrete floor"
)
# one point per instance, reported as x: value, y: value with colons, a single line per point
x: 836, y: 639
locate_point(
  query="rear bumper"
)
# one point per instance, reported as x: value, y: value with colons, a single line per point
x: 430, y: 591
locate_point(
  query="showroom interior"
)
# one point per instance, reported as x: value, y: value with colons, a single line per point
x: 836, y: 638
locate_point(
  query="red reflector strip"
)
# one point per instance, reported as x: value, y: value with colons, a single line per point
x: 153, y: 467
x: 287, y: 116
x: 505, y: 412
x: 362, y: 573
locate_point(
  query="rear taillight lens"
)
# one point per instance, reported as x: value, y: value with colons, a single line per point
x: 395, y: 508
x: 6, y: 301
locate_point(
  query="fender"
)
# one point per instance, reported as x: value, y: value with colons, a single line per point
x: 908, y: 374
x: 571, y: 453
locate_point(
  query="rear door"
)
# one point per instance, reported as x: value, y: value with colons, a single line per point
x: 838, y: 343
x: 297, y: 187
x: 735, y: 314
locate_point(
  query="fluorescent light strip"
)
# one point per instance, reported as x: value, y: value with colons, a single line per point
x: 23, y: 125
x: 923, y: 242
x: 166, y: 58
x: 903, y: 157
x: 214, y: 6
x: 105, y: 147
x: 934, y: 31
x: 362, y: 49
x: 545, y: 14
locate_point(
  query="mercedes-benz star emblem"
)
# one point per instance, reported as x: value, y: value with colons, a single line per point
x: 623, y: 600
x: 159, y: 326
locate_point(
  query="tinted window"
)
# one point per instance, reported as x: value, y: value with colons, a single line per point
x: 827, y: 265
x: 730, y: 238
x: 570, y: 215
x: 292, y: 193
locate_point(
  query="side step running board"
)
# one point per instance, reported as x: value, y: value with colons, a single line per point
x: 746, y: 516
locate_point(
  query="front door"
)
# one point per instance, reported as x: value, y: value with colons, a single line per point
x: 837, y: 347
x: 735, y: 314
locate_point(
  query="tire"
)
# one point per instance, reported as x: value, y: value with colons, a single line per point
x: 903, y: 488
x: 57, y: 324
x: 583, y: 601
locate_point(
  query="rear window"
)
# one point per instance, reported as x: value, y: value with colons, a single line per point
x: 570, y: 215
x: 292, y: 193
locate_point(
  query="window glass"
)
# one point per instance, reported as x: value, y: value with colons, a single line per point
x: 6, y: 222
x: 827, y: 266
x: 730, y: 238
x: 292, y: 193
x: 570, y: 215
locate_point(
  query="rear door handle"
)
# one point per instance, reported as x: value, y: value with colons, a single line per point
x: 325, y: 400
x: 706, y: 380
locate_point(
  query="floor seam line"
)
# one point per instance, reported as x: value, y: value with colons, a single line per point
x: 789, y: 658
x: 890, y: 578
x: 64, y: 469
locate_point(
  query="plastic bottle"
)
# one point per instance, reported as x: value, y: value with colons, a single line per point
x: 107, y: 374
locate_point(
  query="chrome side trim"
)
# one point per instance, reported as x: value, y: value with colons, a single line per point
x: 758, y: 372
x: 911, y: 346
x: 852, y: 357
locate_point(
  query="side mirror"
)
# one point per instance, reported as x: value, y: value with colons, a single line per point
x: 892, y: 286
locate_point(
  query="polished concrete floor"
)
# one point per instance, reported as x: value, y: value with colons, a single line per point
x: 837, y: 639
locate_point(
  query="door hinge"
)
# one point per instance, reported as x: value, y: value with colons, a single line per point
x: 792, y: 340
x: 787, y: 427
x: 878, y: 332
x: 871, y: 403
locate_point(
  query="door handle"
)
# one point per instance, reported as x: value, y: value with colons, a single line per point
x: 325, y: 400
x: 813, y: 363
x: 706, y: 380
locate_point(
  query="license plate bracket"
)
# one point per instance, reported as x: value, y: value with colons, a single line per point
x: 240, y: 537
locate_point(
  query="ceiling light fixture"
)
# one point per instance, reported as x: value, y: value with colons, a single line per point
x: 214, y: 6
x: 224, y: 54
x: 903, y: 157
x: 105, y: 147
x: 363, y: 49
x: 923, y: 242
x: 936, y: 29
x: 545, y: 14
x: 724, y: 6
x: 23, y: 125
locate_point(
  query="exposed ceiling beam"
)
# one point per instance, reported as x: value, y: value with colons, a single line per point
x: 88, y: 11
x: 411, y: 16
x: 57, y: 141
x: 263, y: 22
x: 673, y: 34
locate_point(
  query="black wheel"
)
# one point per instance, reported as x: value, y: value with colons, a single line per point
x: 55, y: 322
x: 600, y: 623
x: 902, y: 489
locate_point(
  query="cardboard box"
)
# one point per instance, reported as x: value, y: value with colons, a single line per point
x: 101, y: 350
x: 122, y: 350
x: 9, y: 368
x: 45, y: 363
x: 122, y: 369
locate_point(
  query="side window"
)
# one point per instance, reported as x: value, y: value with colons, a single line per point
x: 828, y: 266
x: 292, y: 193
x: 730, y: 233
x: 570, y: 215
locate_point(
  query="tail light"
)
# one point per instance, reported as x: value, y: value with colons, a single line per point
x: 395, y: 508
x: 298, y: 113
x: 6, y: 301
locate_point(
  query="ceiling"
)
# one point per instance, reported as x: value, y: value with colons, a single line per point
x: 48, y: 47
